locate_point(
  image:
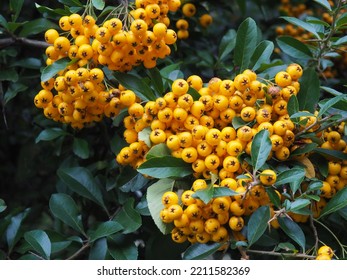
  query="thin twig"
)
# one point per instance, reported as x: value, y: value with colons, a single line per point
x: 315, y: 233
x: 293, y: 255
x: 80, y: 251
x: 21, y: 40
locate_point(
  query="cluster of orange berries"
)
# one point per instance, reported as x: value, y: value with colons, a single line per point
x: 325, y: 253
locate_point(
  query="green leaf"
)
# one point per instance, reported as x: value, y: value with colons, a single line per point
x: 237, y: 122
x: 340, y: 41
x: 154, y: 195
x: 144, y: 136
x: 309, y: 93
x: 331, y: 91
x: 307, y: 26
x: 159, y: 150
x: 50, y: 70
x: 71, y: 3
x: 165, y: 167
x: 65, y: 209
x: 105, y: 229
x: 274, y: 198
x: 16, y: 6
x: 331, y: 153
x: 286, y: 246
x: 29, y: 63
x: 98, y: 4
x: 245, y: 43
x: 261, y: 148
x: 135, y: 183
x: 205, y: 195
x: 341, y: 21
x: 40, y: 242
x: 337, y: 202
x: 9, y: 75
x: 3, y: 22
x: 50, y: 134
x: 223, y: 191
x: 199, y: 251
x: 330, y: 103
x: 315, y: 185
x: 135, y: 84
x: 299, y: 204
x: 128, y: 217
x: 3, y: 205
x: 261, y: 54
x: 81, y: 181
x: 13, y: 230
x: 129, y: 252
x: 36, y: 26
x: 156, y: 80
x: 80, y: 148
x: 294, y: 48
x: 324, y: 3
x: 290, y: 175
x: 293, y: 231
x: 293, y: 105
x: 99, y: 249
x: 257, y: 224
x: 13, y: 90
x: 227, y: 44
x: 309, y: 147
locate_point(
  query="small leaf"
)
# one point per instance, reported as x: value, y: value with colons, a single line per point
x: 330, y: 103
x: 81, y: 181
x: 165, y: 167
x: 156, y: 80
x: 205, y: 195
x: 261, y: 148
x: 135, y: 84
x: 307, y: 26
x: 290, y: 175
x: 98, y: 4
x: 65, y: 209
x: 324, y: 3
x: 199, y: 251
x: 40, y: 242
x: 50, y: 134
x: 3, y: 205
x: 135, y: 183
x: 293, y: 105
x: 309, y: 93
x: 227, y: 44
x: 50, y: 70
x: 293, y: 231
x: 105, y: 229
x: 3, y: 22
x: 128, y: 217
x: 80, y: 148
x: 274, y: 198
x: 154, y: 195
x: 12, y: 231
x: 261, y: 54
x: 331, y: 153
x: 245, y: 43
x: 129, y: 252
x: 36, y: 26
x: 299, y: 204
x: 257, y: 224
x: 309, y: 147
x: 99, y: 249
x: 337, y: 202
x: 340, y: 41
x: 294, y: 48
x: 223, y: 191
x: 159, y: 150
x: 286, y: 246
x: 144, y: 136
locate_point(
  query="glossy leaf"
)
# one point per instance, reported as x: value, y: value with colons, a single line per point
x: 257, y: 224
x: 227, y: 44
x: 154, y: 195
x: 290, y: 175
x: 36, y: 26
x: 273, y: 197
x: 135, y: 84
x: 105, y: 229
x: 10, y: 75
x: 245, y: 43
x: 3, y: 22
x: 12, y: 231
x: 128, y: 217
x: 159, y: 150
x: 3, y: 205
x: 199, y: 251
x: 144, y: 136
x: 332, y: 153
x: 261, y: 54
x: 156, y: 80
x: 81, y: 181
x: 307, y: 26
x: 135, y: 183
x: 294, y: 48
x: 330, y: 103
x: 80, y: 148
x: 50, y: 134
x: 336, y: 203
x: 99, y: 249
x: 309, y: 93
x: 40, y: 242
x: 293, y: 105
x: 98, y: 4
x: 65, y: 209
x: 205, y: 195
x: 165, y: 167
x: 261, y: 148
x: 223, y: 191
x: 299, y: 204
x: 324, y: 3
x: 50, y: 70
x: 309, y: 147
x: 293, y: 231
x: 129, y: 252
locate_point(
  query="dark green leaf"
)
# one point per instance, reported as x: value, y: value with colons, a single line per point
x: 65, y: 209
x: 205, y: 195
x: 199, y: 251
x: 223, y: 191
x: 309, y: 93
x: 29, y: 63
x: 105, y: 229
x: 3, y: 22
x: 36, y: 26
x: 331, y: 153
x: 237, y: 122
x: 156, y: 80
x: 128, y: 217
x: 50, y: 70
x: 274, y: 198
x: 71, y: 2
x: 261, y: 54
x: 324, y: 3
x: 135, y: 183
x: 16, y: 6
x: 245, y: 43
x: 294, y: 48
x: 309, y: 147
x: 154, y: 195
x: 159, y: 150
x: 99, y: 249
x: 98, y: 4
x: 343, y: 213
x: 227, y: 44
x: 286, y: 246
x: 340, y: 41
x: 290, y: 175
x: 13, y: 90
x: 135, y: 84
x: 144, y: 136
x: 293, y: 231
x: 3, y: 205
x: 165, y: 167
x: 194, y: 93
x: 40, y: 242
x: 59, y: 246
x: 50, y: 134
x: 307, y: 26
x: 261, y: 148
x: 129, y: 252
x: 341, y: 21
x: 80, y: 148
x: 298, y: 204
x: 331, y: 90
x: 9, y: 75
x: 257, y: 224
x: 337, y: 202
x: 330, y: 103
x: 315, y: 185
x: 12, y: 231
x: 81, y: 181
x: 293, y: 105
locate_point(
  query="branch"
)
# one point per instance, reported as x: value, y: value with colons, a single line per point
x: 293, y: 255
x: 21, y: 40
x: 315, y: 233
x: 80, y: 251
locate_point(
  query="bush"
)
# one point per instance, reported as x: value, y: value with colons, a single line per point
x: 209, y: 128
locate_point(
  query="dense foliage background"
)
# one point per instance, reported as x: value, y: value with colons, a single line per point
x: 62, y: 193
